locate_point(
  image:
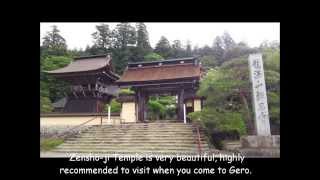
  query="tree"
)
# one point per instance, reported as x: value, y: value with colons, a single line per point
x: 237, y: 50
x: 123, y: 35
x: 45, y: 104
x: 177, y: 50
x: 205, y: 51
x: 153, y: 57
x: 54, y: 43
x: 102, y: 37
x: 228, y: 42
x: 217, y: 49
x: 163, y: 47
x: 51, y: 87
x: 195, y: 50
x: 143, y: 37
x: 228, y: 95
x: 188, y: 49
x: 208, y: 62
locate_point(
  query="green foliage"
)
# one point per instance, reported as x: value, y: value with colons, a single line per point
x: 45, y: 104
x: 209, y: 61
x: 274, y: 107
x: 50, y: 143
x: 177, y: 50
x: 124, y: 34
x: 143, y: 37
x: 49, y: 86
x: 55, y: 62
x: 215, y: 120
x: 156, y: 109
x: 54, y: 43
x: 163, y: 48
x: 115, y: 106
x: 102, y: 38
x: 162, y: 107
x: 153, y: 57
x: 271, y: 59
x: 228, y: 94
x: 126, y: 92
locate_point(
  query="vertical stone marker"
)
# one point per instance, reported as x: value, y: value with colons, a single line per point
x: 259, y: 95
x: 263, y: 144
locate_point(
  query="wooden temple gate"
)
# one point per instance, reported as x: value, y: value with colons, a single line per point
x: 174, y: 77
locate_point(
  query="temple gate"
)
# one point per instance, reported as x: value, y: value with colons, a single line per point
x: 178, y: 77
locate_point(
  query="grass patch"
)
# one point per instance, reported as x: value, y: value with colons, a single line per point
x: 49, y: 143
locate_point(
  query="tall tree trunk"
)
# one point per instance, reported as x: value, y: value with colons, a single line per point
x: 249, y: 121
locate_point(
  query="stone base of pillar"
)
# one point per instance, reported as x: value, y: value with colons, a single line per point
x: 260, y: 146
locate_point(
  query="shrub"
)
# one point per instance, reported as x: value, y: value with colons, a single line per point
x: 152, y: 57
x: 126, y: 92
x: 45, y: 104
x: 115, y: 106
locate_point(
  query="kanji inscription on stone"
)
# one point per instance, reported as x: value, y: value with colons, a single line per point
x: 259, y: 95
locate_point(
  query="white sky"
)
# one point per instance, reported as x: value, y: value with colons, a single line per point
x: 78, y: 35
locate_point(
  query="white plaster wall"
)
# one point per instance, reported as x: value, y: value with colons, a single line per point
x: 128, y: 112
x: 71, y: 121
x: 197, y: 105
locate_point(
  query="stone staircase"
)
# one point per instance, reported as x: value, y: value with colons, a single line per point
x: 143, y: 138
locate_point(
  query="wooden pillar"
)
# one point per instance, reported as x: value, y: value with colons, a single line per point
x: 141, y: 104
x: 180, y: 104
x: 146, y: 106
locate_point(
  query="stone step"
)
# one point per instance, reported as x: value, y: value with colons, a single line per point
x: 102, y: 146
x: 132, y: 149
x: 137, y: 138
x: 125, y: 152
x: 141, y: 130
x: 145, y: 134
x: 143, y: 126
x: 133, y: 142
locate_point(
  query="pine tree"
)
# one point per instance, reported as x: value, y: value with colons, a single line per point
x: 54, y: 43
x: 177, y: 50
x: 102, y: 38
x: 124, y: 35
x: 143, y: 37
x: 188, y: 49
x: 163, y: 47
x: 218, y: 50
x: 227, y: 40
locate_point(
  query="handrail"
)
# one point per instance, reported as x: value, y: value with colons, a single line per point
x: 199, y: 139
x: 69, y: 130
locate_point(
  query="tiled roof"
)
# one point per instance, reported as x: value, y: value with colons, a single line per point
x: 163, y: 72
x: 84, y: 64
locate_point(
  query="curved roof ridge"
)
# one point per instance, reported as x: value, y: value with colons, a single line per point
x: 85, y: 64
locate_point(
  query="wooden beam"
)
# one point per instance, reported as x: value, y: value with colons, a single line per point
x: 75, y: 94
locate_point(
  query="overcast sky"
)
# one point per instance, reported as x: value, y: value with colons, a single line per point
x: 78, y: 35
